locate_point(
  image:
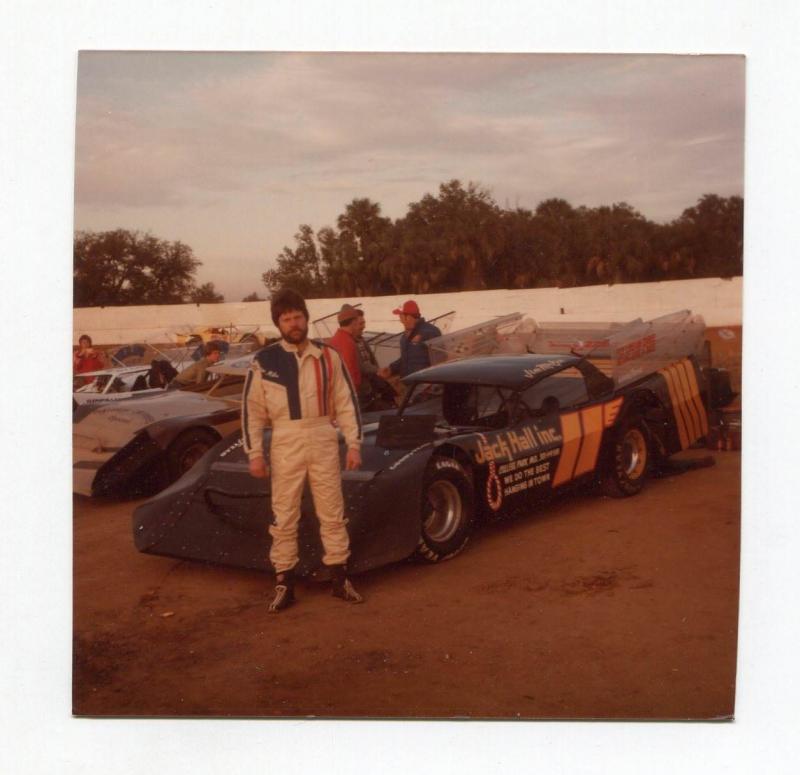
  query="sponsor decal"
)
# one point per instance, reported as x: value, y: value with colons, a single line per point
x: 527, y: 472
x: 635, y: 349
x: 542, y: 367
x: 494, y: 489
x: 408, y: 455
x: 232, y: 447
x: 125, y: 416
x: 506, y: 445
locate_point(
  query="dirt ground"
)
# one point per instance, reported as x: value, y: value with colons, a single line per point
x: 591, y: 608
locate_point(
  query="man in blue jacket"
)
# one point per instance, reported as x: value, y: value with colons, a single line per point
x: 413, y: 350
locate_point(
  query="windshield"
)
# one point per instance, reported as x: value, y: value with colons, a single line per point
x: 95, y: 385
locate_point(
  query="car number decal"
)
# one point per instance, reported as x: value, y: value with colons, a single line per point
x: 494, y: 489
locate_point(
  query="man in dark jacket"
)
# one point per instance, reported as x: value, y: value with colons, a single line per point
x: 413, y: 350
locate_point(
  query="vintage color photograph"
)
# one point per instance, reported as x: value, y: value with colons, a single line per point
x: 407, y: 385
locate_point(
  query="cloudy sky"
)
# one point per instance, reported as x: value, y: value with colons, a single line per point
x: 229, y: 153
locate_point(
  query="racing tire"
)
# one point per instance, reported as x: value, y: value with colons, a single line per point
x: 187, y: 449
x: 628, y: 460
x: 448, y: 510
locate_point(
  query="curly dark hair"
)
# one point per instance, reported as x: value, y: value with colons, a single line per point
x: 286, y: 300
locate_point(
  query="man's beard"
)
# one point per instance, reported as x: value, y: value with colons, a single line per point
x: 295, y: 335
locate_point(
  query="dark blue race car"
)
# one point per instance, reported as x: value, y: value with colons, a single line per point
x: 476, y: 437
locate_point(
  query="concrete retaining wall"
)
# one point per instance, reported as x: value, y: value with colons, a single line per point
x: 718, y: 300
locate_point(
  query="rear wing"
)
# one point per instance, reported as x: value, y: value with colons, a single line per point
x: 626, y: 351
x: 488, y: 338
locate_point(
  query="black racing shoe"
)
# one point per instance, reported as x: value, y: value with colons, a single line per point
x: 342, y: 587
x: 284, y: 592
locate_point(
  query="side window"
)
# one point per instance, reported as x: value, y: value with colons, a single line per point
x: 557, y: 392
x: 478, y: 405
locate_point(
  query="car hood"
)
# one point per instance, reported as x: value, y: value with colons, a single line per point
x: 114, y: 424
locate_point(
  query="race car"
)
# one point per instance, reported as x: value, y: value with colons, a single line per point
x: 496, y: 434
x: 136, y: 446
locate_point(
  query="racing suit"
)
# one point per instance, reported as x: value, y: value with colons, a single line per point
x: 299, y: 396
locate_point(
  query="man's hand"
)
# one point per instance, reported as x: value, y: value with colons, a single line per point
x: 259, y: 468
x: 385, y: 372
x: 353, y: 460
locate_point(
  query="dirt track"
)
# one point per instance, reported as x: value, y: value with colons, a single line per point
x: 592, y: 608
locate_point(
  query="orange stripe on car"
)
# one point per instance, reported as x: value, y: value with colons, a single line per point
x: 697, y: 400
x: 673, y: 398
x: 610, y: 411
x: 592, y: 421
x: 680, y: 368
x: 682, y: 409
x: 571, y: 435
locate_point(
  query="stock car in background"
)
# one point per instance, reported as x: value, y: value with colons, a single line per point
x: 141, y: 370
x: 494, y: 434
x: 136, y: 446
x: 249, y: 335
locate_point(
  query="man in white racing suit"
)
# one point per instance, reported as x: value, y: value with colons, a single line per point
x: 299, y: 387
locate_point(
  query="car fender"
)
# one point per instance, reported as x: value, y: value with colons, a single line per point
x: 383, y: 509
x: 164, y: 432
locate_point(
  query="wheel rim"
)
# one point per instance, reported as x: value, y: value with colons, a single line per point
x: 634, y: 453
x: 444, y: 517
x: 191, y: 456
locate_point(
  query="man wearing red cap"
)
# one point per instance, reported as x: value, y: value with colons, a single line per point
x: 413, y: 350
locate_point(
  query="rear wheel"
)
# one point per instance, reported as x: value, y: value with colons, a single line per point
x: 187, y: 449
x: 628, y: 460
x: 448, y: 510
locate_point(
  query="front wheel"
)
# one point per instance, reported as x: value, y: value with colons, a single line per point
x: 187, y: 449
x: 628, y: 460
x: 448, y: 510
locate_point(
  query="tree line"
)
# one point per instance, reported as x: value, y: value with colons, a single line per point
x: 458, y: 240
x: 462, y: 240
x: 121, y: 268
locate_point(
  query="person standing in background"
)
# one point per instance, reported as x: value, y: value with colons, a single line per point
x: 414, y: 354
x: 197, y: 373
x: 86, y: 358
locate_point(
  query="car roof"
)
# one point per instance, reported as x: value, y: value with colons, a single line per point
x: 510, y: 371
x: 114, y: 371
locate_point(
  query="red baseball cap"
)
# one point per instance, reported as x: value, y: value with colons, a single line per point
x: 409, y: 308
